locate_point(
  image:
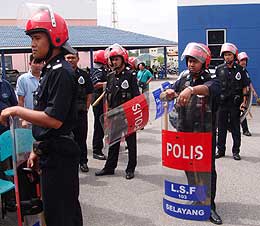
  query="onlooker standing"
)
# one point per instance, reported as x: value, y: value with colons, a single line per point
x: 144, y: 77
x: 84, y: 98
x: 28, y: 83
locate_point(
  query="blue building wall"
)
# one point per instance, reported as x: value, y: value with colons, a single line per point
x: 242, y: 25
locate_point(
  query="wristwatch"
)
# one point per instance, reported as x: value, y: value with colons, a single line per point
x: 191, y: 88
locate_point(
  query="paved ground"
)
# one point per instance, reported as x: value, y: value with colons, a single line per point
x: 115, y: 201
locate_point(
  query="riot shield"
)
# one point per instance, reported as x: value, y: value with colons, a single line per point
x: 187, y: 159
x: 133, y: 115
x: 248, y: 106
x: 27, y: 188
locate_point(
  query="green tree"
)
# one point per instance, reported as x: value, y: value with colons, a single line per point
x: 160, y: 59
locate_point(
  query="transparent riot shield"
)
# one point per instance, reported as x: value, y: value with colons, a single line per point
x: 187, y: 159
x: 246, y: 111
x: 133, y: 115
x: 27, y: 188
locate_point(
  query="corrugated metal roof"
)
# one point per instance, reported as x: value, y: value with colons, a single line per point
x: 14, y: 40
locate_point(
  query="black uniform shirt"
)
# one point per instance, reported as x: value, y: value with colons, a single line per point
x: 205, y: 78
x: 84, y: 87
x: 56, y: 96
x: 233, y: 80
x: 190, y: 116
x: 124, y: 88
x: 7, y: 98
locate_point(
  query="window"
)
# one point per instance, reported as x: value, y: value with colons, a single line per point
x: 8, y: 62
x: 215, y: 39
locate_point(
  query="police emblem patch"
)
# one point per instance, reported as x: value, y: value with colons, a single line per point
x: 238, y: 76
x: 5, y: 95
x: 81, y: 80
x: 125, y: 84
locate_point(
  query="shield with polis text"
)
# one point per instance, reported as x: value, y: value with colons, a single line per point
x: 187, y: 159
x: 133, y: 115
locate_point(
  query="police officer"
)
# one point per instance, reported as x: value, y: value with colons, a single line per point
x: 53, y: 118
x: 232, y: 99
x: 197, y: 81
x: 132, y: 62
x: 7, y: 99
x: 99, y: 80
x: 123, y: 88
x: 243, y: 60
x: 84, y: 98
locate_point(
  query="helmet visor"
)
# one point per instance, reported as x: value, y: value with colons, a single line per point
x: 196, y: 51
x: 35, y: 12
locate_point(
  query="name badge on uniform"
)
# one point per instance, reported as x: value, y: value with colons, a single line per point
x: 81, y: 80
x: 125, y: 84
x: 238, y: 76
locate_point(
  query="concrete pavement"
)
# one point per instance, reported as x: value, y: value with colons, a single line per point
x: 115, y: 201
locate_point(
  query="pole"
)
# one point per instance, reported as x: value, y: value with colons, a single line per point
x: 3, y: 64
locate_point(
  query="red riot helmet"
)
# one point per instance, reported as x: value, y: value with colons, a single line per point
x: 198, y: 51
x: 242, y: 55
x: 45, y: 20
x: 99, y: 57
x: 229, y: 47
x: 132, y: 61
x: 116, y: 50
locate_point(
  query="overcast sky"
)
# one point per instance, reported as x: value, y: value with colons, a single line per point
x: 151, y: 17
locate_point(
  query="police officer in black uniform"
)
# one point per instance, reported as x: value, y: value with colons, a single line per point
x: 124, y: 88
x: 7, y: 99
x: 84, y: 98
x: 243, y: 60
x: 99, y: 79
x: 197, y: 81
x: 232, y: 99
x: 53, y: 118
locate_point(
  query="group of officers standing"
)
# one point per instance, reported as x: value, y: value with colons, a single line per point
x: 64, y: 96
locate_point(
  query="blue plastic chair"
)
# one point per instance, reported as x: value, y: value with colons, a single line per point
x: 6, y: 149
x: 5, y: 186
x: 6, y: 145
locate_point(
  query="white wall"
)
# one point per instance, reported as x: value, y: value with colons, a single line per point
x: 215, y: 2
x: 69, y: 9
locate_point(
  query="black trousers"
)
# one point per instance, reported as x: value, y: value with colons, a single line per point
x: 208, y: 179
x: 60, y: 183
x: 98, y: 134
x: 228, y: 114
x: 244, y: 125
x: 113, y: 153
x: 80, y: 135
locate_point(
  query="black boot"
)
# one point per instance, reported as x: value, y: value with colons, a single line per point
x: 214, y: 217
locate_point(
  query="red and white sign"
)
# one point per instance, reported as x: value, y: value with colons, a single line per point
x: 187, y: 151
x: 137, y: 113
